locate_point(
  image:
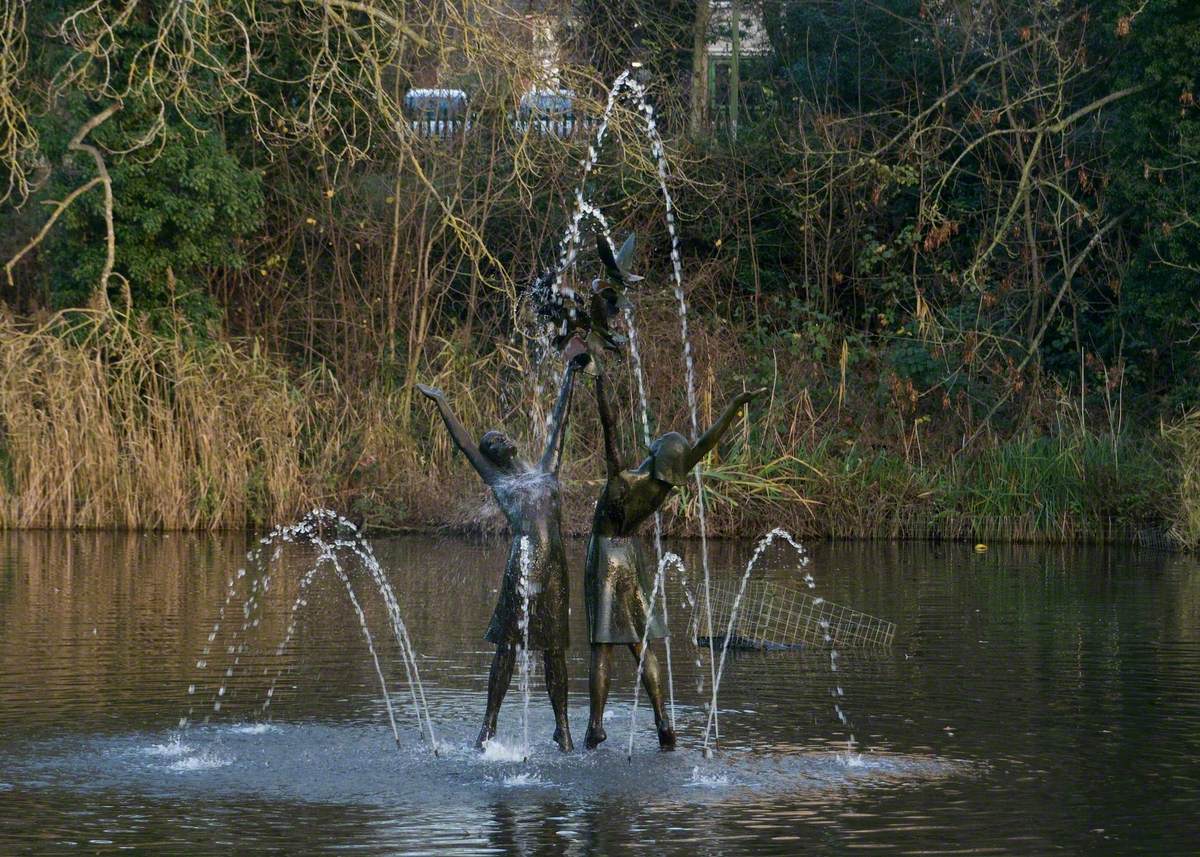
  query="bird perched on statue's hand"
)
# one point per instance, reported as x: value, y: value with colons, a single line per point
x: 608, y: 293
x: 617, y: 267
x: 574, y: 326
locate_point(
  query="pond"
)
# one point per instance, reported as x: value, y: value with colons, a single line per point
x: 1034, y: 699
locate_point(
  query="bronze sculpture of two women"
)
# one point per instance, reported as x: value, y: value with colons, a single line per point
x: 618, y: 581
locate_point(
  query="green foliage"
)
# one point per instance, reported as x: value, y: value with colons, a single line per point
x: 1056, y: 479
x: 911, y: 360
x: 181, y: 215
x: 862, y: 246
x: 1153, y: 149
x: 847, y: 52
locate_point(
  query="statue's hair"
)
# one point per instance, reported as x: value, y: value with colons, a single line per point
x: 491, y: 441
x: 669, y: 455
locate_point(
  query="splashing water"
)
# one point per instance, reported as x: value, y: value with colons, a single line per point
x: 707, y: 781
x: 526, y: 778
x: 762, y: 546
x: 495, y: 750
x: 523, y: 654
x: 331, y: 551
x: 203, y: 761
x: 174, y: 747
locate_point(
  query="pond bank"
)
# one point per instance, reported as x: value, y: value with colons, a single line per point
x: 107, y: 425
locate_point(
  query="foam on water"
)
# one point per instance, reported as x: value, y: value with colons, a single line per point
x: 707, y: 781
x: 351, y: 764
x: 206, y: 760
x: 254, y: 729
x: 174, y: 747
x: 496, y: 750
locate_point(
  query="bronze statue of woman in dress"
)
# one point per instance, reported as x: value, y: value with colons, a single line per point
x: 618, y: 582
x: 530, y: 499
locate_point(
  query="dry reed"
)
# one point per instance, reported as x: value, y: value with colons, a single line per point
x: 110, y: 425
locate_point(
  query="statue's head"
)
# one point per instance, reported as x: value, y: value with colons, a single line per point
x: 669, y: 458
x: 499, y: 449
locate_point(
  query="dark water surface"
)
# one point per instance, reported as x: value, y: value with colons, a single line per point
x: 1035, y: 700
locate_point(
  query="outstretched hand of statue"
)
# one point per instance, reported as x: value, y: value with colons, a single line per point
x: 432, y: 392
x: 749, y: 395
x: 576, y: 353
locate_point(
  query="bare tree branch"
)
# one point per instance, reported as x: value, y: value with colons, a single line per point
x: 77, y: 145
x: 59, y: 208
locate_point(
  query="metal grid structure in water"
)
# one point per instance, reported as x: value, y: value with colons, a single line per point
x: 772, y: 615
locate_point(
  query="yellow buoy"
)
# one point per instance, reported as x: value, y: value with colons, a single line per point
x: 980, y: 548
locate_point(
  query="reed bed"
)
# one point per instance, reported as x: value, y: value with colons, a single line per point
x: 107, y: 424
x: 1184, y: 437
x: 110, y: 425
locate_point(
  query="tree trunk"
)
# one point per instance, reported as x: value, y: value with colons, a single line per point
x: 735, y: 43
x: 700, y: 65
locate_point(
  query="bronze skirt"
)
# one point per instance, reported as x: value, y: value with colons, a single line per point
x: 618, y: 583
x: 548, y: 613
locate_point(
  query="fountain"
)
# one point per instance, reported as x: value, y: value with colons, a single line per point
x: 626, y: 83
x: 330, y: 554
x: 763, y: 544
x: 580, y: 326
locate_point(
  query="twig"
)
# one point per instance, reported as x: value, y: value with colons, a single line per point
x: 1068, y: 275
x: 59, y: 208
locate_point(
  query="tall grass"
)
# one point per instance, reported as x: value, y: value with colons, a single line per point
x: 1184, y: 437
x: 110, y: 425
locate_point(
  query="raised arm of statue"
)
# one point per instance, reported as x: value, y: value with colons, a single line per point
x: 609, y: 424
x: 486, y: 470
x: 551, y: 457
x: 710, y: 438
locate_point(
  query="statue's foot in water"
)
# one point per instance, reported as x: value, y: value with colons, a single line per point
x: 666, y: 738
x: 562, y: 737
x: 487, y: 733
x: 595, y: 736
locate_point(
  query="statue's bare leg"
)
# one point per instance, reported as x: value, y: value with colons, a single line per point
x: 498, y: 681
x: 652, y: 682
x: 598, y: 682
x: 556, y: 685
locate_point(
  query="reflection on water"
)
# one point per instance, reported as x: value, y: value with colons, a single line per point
x: 1036, y: 699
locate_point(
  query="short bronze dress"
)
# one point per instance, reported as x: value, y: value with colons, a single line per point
x: 618, y: 579
x: 531, y: 502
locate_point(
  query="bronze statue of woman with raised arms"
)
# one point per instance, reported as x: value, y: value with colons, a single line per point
x: 618, y: 582
x: 530, y: 499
